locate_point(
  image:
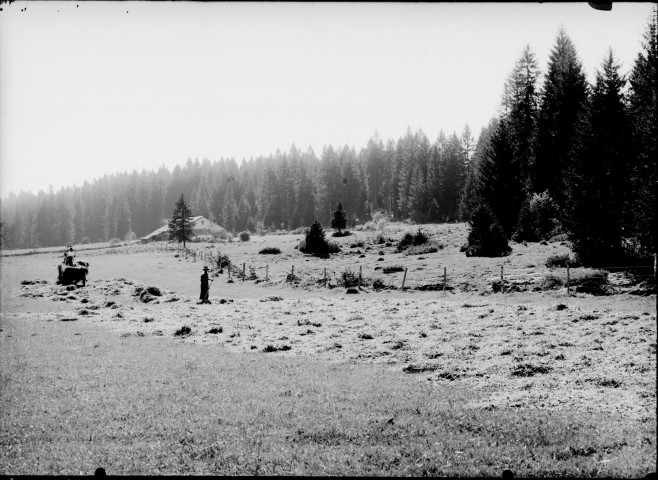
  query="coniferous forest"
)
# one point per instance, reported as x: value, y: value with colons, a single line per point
x: 561, y: 157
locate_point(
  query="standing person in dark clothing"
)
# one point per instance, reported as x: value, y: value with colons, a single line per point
x: 204, y: 287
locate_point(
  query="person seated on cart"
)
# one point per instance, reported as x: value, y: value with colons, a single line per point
x: 69, y: 255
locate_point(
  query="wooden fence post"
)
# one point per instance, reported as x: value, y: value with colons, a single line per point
x: 568, y: 281
x: 244, y: 273
x: 229, y: 269
x: 502, y: 280
x: 360, y: 276
x: 404, y: 278
x: 445, y: 275
x: 267, y: 271
x: 325, y: 276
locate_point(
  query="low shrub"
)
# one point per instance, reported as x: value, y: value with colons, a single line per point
x: 222, y: 261
x: 344, y: 233
x: 393, y: 269
x: 409, y: 240
x: 378, y: 284
x: 551, y: 281
x: 558, y: 261
x: 270, y: 251
x: 379, y: 222
x: 349, y: 279
x: 421, y: 249
x: 115, y: 241
x: 357, y: 244
x: 244, y: 236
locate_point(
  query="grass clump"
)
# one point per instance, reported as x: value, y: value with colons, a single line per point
x: 529, y: 370
x: 183, y: 331
x: 270, y: 251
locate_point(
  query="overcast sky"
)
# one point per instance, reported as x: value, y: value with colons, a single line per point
x: 93, y: 88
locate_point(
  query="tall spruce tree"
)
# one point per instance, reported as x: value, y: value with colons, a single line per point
x: 561, y: 119
x: 643, y: 208
x: 598, y: 180
x: 500, y: 182
x: 180, y: 225
x: 521, y: 107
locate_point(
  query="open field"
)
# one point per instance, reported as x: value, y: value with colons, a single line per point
x: 275, y: 377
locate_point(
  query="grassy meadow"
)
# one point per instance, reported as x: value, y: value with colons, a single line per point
x: 296, y: 378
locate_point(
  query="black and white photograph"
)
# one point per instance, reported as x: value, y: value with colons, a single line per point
x: 328, y: 239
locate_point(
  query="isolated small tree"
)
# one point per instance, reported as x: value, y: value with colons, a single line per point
x: 339, y: 220
x: 181, y: 227
x: 316, y: 244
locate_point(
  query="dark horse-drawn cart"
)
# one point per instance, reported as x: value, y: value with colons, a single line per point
x: 72, y: 275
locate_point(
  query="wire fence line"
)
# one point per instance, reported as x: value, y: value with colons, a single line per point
x: 507, y: 280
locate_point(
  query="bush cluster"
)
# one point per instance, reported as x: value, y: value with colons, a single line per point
x: 409, y: 240
x: 245, y: 236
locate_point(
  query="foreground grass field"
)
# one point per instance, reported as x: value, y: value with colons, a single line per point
x: 300, y: 379
x: 74, y: 398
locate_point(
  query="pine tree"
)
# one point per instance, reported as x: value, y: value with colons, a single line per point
x: 469, y: 196
x: 598, y: 180
x: 500, y: 185
x: 521, y: 106
x: 452, y: 175
x: 560, y: 121
x: 339, y: 219
x: 180, y: 225
x: 315, y: 242
x: 643, y: 208
x: 486, y: 237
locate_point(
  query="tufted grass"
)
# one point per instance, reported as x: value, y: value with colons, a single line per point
x: 73, y: 398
